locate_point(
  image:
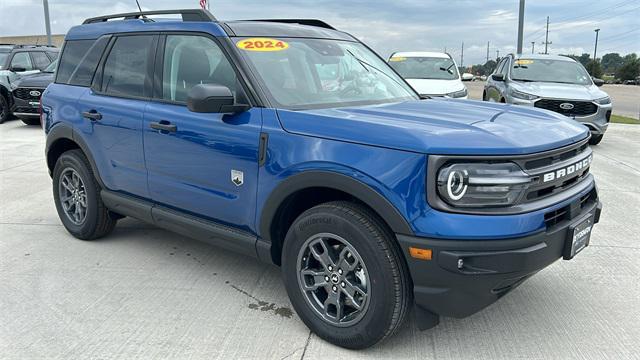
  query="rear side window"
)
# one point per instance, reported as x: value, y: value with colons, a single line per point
x: 40, y: 60
x: 125, y: 70
x: 72, y: 53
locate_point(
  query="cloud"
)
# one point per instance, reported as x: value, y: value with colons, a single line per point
x: 386, y: 26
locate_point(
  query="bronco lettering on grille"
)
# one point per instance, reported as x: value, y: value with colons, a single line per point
x: 567, y: 170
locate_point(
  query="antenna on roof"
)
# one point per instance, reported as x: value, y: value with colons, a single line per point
x: 139, y: 8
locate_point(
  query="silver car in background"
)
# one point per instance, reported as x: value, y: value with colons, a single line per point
x: 555, y: 83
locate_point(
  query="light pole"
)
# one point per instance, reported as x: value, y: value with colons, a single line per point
x: 595, y: 49
x: 533, y: 46
x: 520, y: 26
x: 47, y: 24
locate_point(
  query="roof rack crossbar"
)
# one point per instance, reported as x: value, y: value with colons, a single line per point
x: 187, y: 15
x: 309, y: 22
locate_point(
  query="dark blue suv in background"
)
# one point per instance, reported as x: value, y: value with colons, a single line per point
x: 294, y: 143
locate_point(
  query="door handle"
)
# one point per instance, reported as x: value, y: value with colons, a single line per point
x: 92, y: 115
x: 163, y: 126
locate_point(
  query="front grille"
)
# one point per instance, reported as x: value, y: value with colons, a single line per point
x: 26, y: 110
x: 24, y: 94
x: 570, y: 161
x: 556, y: 217
x: 579, y: 108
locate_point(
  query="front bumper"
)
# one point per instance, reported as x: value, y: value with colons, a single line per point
x: 597, y: 122
x: 465, y: 276
x: 26, y: 108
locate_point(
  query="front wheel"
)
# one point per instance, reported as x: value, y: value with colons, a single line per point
x: 595, y: 139
x: 4, y: 109
x: 345, y: 275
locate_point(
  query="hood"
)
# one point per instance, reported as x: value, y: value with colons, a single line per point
x: 440, y: 126
x: 560, y: 91
x: 435, y: 86
x: 39, y: 80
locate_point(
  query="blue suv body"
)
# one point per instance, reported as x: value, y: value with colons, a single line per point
x: 292, y: 142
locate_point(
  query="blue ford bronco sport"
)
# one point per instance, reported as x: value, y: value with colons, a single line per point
x: 296, y: 144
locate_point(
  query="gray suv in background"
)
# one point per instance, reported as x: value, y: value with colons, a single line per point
x: 555, y: 83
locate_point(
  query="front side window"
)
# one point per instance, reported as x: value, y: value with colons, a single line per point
x: 21, y: 60
x: 192, y: 60
x: 547, y: 70
x: 300, y: 73
x: 126, y: 67
x: 437, y: 68
x: 40, y: 60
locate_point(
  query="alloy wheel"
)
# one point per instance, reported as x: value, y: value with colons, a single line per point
x: 73, y: 196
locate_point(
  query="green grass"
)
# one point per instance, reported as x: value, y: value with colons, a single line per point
x: 624, y: 120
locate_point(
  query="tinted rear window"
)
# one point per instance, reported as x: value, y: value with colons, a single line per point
x: 79, y: 61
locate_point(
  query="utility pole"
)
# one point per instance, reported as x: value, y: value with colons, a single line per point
x: 497, y: 55
x: 487, y: 52
x: 533, y: 47
x: 595, y: 49
x: 546, y: 38
x: 47, y: 24
x: 520, y: 26
x: 462, y: 56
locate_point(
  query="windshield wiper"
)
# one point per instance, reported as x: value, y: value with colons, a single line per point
x: 365, y: 64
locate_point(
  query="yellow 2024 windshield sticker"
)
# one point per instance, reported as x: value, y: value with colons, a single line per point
x: 262, y: 44
x: 398, y: 58
x: 524, y: 62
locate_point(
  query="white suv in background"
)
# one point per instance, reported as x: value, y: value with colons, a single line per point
x: 430, y: 73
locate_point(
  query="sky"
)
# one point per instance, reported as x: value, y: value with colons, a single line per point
x: 393, y: 25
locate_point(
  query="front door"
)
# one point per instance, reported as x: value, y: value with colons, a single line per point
x: 205, y: 164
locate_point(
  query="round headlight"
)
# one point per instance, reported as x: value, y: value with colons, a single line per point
x: 457, y: 184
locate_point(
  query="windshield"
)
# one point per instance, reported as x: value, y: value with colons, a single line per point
x: 52, y: 67
x: 319, y: 73
x: 3, y: 58
x: 557, y: 71
x: 424, y: 67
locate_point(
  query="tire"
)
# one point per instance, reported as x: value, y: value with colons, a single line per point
x: 374, y: 263
x: 484, y: 96
x: 4, y: 109
x: 595, y: 139
x: 97, y: 220
x: 31, y: 121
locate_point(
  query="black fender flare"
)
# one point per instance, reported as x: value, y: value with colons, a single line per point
x: 65, y: 131
x: 336, y: 181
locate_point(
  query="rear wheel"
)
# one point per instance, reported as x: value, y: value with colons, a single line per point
x: 595, y: 139
x: 77, y: 197
x: 31, y: 121
x: 4, y: 109
x: 345, y: 276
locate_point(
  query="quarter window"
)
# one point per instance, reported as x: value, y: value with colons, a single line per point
x: 72, y: 53
x: 22, y: 60
x: 126, y: 67
x: 192, y: 60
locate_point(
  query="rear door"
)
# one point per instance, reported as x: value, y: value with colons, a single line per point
x: 113, y: 111
x: 207, y: 164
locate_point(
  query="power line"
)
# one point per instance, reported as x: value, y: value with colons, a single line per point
x: 597, y: 12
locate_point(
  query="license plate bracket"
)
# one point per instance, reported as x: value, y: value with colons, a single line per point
x: 578, y: 236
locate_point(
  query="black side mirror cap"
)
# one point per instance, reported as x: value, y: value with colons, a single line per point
x: 598, y: 82
x: 213, y: 98
x: 498, y: 77
x: 17, y: 69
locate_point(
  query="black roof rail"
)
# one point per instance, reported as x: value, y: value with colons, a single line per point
x: 187, y: 15
x: 20, y: 46
x: 308, y: 22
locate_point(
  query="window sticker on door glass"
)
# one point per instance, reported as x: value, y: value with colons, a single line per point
x: 262, y: 44
x: 398, y: 58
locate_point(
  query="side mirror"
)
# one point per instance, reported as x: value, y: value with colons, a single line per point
x: 18, y: 69
x: 213, y: 98
x: 498, y: 77
x: 598, y: 82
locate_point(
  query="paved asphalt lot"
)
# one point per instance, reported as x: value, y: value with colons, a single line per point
x: 626, y: 98
x: 150, y: 294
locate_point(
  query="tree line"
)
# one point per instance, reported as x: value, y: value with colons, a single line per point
x: 613, y: 64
